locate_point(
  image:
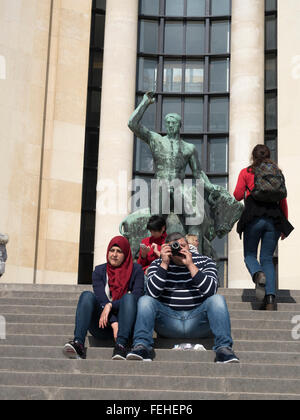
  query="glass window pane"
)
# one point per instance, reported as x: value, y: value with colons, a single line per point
x: 99, y: 31
x: 148, y: 36
x: 271, y: 33
x: 222, y: 181
x: 218, y: 155
x: 173, y: 38
x: 194, y: 76
x: 218, y: 114
x: 172, y: 76
x: 271, y: 111
x: 271, y: 72
x: 195, y: 7
x: 147, y: 74
x: 219, y: 76
x: 195, y: 38
x: 150, y: 7
x: 97, y: 67
x: 220, y: 246
x: 170, y: 105
x: 143, y: 157
x: 193, y: 115
x: 271, y: 5
x: 174, y: 7
x: 149, y: 118
x: 219, y: 8
x: 199, y: 145
x: 101, y: 4
x: 271, y: 142
x: 220, y: 37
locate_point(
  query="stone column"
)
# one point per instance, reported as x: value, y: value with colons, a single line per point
x: 117, y: 104
x: 288, y: 134
x: 246, y: 109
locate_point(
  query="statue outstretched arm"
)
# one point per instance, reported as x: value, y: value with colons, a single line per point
x: 134, y: 124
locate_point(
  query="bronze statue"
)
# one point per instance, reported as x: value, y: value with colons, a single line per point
x: 3, y: 254
x: 171, y: 155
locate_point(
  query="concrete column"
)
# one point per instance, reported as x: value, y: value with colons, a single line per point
x: 288, y: 134
x: 246, y: 109
x: 117, y: 104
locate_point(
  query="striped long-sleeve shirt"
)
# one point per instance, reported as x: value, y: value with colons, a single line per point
x: 176, y: 288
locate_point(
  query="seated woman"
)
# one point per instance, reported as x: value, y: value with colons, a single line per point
x: 111, y: 310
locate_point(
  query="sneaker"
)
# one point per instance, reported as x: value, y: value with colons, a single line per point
x: 119, y: 353
x: 140, y: 352
x: 226, y: 355
x: 74, y: 350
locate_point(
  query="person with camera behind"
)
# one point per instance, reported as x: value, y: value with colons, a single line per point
x: 181, y: 302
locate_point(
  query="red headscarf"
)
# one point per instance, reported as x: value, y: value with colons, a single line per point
x: 119, y: 277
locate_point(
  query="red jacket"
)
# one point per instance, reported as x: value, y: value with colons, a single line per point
x: 151, y: 256
x: 246, y: 179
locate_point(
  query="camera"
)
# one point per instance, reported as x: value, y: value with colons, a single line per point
x: 175, y: 248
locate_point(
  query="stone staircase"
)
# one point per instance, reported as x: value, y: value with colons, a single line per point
x: 40, y: 319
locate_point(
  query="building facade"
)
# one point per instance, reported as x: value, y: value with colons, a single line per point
x: 71, y: 73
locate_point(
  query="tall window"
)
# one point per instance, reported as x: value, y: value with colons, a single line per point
x: 271, y: 76
x: 184, y: 55
x: 88, y: 211
x: 271, y: 126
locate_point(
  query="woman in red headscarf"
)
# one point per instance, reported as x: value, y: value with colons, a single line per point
x: 111, y: 309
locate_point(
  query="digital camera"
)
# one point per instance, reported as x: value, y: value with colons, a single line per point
x: 175, y: 248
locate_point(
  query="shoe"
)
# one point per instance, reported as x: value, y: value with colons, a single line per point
x: 226, y: 355
x: 270, y: 303
x: 140, y: 352
x: 259, y: 279
x: 74, y: 350
x: 119, y: 353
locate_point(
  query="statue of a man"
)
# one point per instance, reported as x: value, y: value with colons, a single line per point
x: 171, y: 154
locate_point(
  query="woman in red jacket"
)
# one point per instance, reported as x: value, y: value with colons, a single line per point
x: 261, y: 222
x: 150, y: 246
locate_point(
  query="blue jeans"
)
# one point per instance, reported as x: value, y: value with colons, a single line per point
x: 88, y: 314
x: 211, y: 317
x: 261, y: 229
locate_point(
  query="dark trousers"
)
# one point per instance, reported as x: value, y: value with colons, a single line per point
x: 88, y: 314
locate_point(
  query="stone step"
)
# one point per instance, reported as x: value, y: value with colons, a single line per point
x: 231, y: 296
x: 236, y: 321
x: 77, y: 289
x: 13, y: 313
x: 100, y: 354
x: 242, y: 344
x: 72, y: 304
x: 137, y: 395
x: 159, y: 368
x: 240, y: 332
x: 152, y: 382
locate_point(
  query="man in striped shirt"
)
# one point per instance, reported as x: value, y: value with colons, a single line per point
x: 181, y: 302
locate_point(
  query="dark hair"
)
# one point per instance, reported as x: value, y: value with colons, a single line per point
x: 260, y: 154
x: 156, y: 223
x: 174, y: 237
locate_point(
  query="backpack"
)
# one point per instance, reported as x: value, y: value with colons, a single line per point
x: 269, y: 183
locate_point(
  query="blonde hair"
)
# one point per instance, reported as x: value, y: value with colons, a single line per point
x: 191, y: 239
